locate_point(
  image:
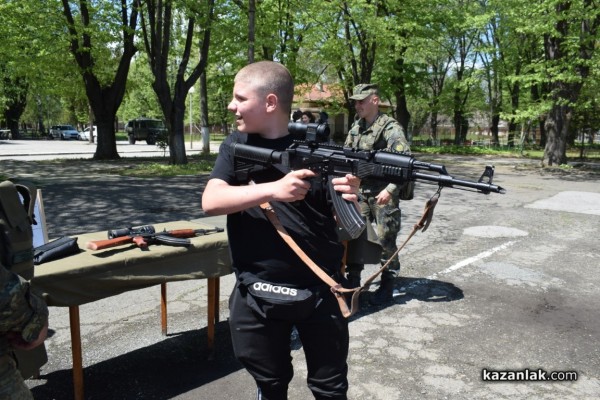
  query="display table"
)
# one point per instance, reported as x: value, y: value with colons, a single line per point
x: 94, y: 275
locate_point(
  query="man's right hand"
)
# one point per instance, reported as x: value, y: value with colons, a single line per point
x: 294, y: 186
x: 16, y: 340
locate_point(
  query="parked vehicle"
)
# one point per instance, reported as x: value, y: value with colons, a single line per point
x: 63, y: 132
x: 150, y: 130
x: 85, y: 134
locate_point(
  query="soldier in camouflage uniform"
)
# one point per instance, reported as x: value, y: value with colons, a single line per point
x: 23, y: 325
x: 380, y: 201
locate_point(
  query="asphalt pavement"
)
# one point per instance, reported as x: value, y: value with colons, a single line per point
x: 31, y: 150
x: 499, y: 287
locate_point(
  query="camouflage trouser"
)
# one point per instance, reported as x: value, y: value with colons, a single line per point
x: 387, y: 226
x: 12, y: 386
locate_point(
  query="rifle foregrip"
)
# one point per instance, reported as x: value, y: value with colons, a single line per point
x: 348, y: 216
x: 182, y: 233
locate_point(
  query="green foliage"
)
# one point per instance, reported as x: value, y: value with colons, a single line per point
x: 462, y: 150
x: 506, y: 68
x: 140, y: 100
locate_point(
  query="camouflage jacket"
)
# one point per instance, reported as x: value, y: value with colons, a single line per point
x: 384, y: 133
x: 20, y: 309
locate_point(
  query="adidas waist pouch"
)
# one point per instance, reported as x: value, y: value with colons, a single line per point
x: 274, y: 301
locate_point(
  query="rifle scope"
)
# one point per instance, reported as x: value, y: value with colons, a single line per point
x: 312, y: 133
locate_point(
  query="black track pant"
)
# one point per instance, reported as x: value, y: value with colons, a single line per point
x: 263, y: 347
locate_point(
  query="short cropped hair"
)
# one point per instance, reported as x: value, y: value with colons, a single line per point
x: 270, y: 77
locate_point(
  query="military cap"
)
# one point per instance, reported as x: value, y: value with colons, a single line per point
x: 364, y: 90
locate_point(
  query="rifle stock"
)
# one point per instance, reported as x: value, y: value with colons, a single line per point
x: 108, y: 243
x: 333, y: 160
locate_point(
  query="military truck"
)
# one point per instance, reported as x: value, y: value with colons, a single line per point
x: 150, y: 130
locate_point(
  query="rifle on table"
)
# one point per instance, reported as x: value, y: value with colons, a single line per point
x: 333, y: 160
x: 144, y: 235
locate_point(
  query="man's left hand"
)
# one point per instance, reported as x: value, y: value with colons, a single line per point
x: 348, y: 185
x: 383, y: 197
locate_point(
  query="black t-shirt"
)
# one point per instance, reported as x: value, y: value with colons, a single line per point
x: 257, y: 249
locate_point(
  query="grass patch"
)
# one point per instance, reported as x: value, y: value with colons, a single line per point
x: 132, y: 166
x: 535, y: 153
x: 464, y: 150
x: 197, y: 164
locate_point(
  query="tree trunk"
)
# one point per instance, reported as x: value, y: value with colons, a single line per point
x: 556, y: 126
x: 510, y: 135
x: 177, y: 154
x: 494, y: 128
x: 204, y: 114
x: 104, y: 105
x: 157, y: 30
x: 103, y: 99
x: 12, y: 115
x: 461, y: 126
x: 515, y: 90
x: 460, y: 133
x: 543, y: 135
x: 251, y: 30
x: 402, y: 113
x: 106, y: 149
x: 559, y: 49
x: 91, y: 124
x: 16, y: 100
x: 433, y: 123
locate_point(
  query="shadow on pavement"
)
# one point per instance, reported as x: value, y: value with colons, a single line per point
x: 174, y: 366
x: 408, y: 289
x: 421, y: 289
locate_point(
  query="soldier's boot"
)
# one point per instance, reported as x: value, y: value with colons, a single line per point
x: 384, y: 294
x: 353, y: 280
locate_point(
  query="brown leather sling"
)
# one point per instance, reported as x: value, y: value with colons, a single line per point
x: 336, y: 288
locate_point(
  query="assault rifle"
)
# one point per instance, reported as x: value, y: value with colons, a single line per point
x: 310, y: 151
x: 144, y: 235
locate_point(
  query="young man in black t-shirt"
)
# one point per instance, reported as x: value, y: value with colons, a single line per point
x: 262, y: 99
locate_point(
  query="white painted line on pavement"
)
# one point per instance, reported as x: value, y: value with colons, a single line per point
x: 455, y: 267
x: 471, y: 260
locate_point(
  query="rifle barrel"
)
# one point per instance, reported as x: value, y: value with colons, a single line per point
x: 449, y: 181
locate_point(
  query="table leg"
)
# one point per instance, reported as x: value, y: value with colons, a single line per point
x: 213, y: 310
x: 76, y: 350
x: 163, y: 308
x: 217, y: 294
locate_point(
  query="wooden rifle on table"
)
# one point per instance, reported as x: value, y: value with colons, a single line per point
x: 144, y: 235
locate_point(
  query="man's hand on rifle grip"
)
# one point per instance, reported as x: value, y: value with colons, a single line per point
x: 347, y: 185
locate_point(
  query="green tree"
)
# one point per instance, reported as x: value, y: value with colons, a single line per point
x: 140, y: 99
x: 29, y: 60
x: 101, y: 39
x: 569, y: 46
x: 168, y: 52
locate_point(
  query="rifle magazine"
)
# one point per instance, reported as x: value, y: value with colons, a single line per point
x: 348, y: 216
